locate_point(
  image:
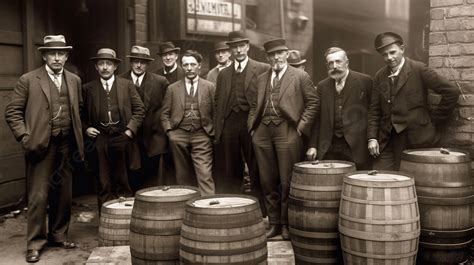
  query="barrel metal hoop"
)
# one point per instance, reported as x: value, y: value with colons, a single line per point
x: 157, y: 217
x: 447, y: 234
x: 446, y: 201
x: 314, y: 247
x: 379, y: 222
x: 219, y: 239
x: 317, y: 260
x: 382, y: 257
x: 377, y: 184
x: 247, y: 262
x: 375, y: 236
x: 222, y: 225
x: 315, y: 188
x: 307, y: 234
x: 223, y: 252
x: 313, y: 204
x: 446, y: 246
x: 155, y: 232
x: 461, y: 184
x: 372, y: 202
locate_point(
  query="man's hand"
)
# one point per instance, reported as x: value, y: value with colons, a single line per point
x: 129, y: 133
x: 373, y: 147
x: 311, y: 154
x: 92, y: 132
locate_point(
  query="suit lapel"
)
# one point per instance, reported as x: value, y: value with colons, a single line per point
x: 348, y: 90
x: 120, y: 93
x: 331, y: 92
x: 199, y: 92
x: 71, y: 87
x: 44, y: 83
x: 250, y: 72
x: 286, y: 81
x: 260, y: 93
x: 96, y: 95
x: 403, y: 76
x: 147, y: 91
x: 181, y: 92
x: 227, y: 86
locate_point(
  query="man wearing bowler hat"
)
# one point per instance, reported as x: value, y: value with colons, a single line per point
x: 284, y: 111
x: 44, y: 116
x: 233, y: 144
x: 399, y: 115
x: 222, y: 55
x: 296, y: 60
x: 169, y: 56
x: 151, y: 138
x: 113, y: 114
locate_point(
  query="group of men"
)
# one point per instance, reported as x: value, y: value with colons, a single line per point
x: 248, y: 117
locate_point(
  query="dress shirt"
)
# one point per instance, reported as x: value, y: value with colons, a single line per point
x: 243, y: 63
x: 397, y: 72
x: 341, y: 82
x: 109, y: 82
x: 52, y: 74
x: 175, y: 66
x: 195, y: 85
x: 135, y: 77
x: 280, y: 74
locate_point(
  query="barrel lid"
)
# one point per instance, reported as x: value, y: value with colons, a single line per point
x: 436, y: 155
x: 127, y: 204
x: 222, y: 202
x: 168, y: 192
x: 324, y: 164
x: 382, y: 177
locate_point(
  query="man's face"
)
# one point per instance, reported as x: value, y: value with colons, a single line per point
x: 191, y: 66
x: 55, y: 59
x: 139, y: 66
x: 240, y: 50
x: 278, y: 59
x: 222, y: 56
x: 106, y: 68
x: 337, y: 64
x: 169, y: 58
x: 392, y: 54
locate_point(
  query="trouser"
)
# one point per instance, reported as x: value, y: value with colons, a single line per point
x: 390, y: 157
x: 49, y: 182
x: 192, y: 155
x: 277, y: 148
x: 341, y: 150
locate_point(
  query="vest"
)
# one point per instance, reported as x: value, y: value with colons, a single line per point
x: 338, y: 125
x: 60, y: 114
x: 271, y: 112
x: 109, y: 103
x: 238, y: 101
x: 192, y: 117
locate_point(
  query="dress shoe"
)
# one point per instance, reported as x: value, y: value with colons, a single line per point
x: 32, y: 255
x: 273, y: 231
x: 285, y: 232
x: 64, y: 244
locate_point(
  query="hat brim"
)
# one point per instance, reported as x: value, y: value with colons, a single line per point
x: 95, y: 59
x: 298, y: 63
x: 55, y: 48
x: 139, y: 57
x: 222, y: 49
x: 277, y: 48
x: 169, y: 50
x: 237, y: 41
x: 390, y: 42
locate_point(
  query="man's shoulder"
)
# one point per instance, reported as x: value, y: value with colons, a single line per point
x: 125, y: 75
x: 91, y: 84
x: 156, y: 77
x: 259, y: 65
x: 360, y: 75
x: 205, y: 82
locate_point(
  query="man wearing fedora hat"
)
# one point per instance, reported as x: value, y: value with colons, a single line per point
x: 44, y: 116
x: 169, y: 54
x: 340, y: 129
x: 222, y: 55
x: 233, y: 144
x: 296, y: 60
x: 151, y: 138
x: 399, y: 114
x: 284, y: 111
x: 113, y: 114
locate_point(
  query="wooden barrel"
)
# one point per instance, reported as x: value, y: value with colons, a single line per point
x: 445, y: 196
x: 313, y: 210
x: 379, y: 222
x: 156, y: 222
x: 114, y: 227
x: 223, y: 229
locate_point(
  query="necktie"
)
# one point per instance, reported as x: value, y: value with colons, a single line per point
x: 107, y: 87
x: 191, y: 89
x: 239, y: 68
x: 56, y: 81
x: 339, y: 86
x: 276, y: 79
x: 137, y: 83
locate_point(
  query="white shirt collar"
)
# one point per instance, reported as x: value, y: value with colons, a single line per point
x: 397, y: 72
x: 243, y: 63
x: 140, y: 78
x: 110, y: 82
x: 188, y: 84
x: 175, y: 66
x: 281, y: 73
x: 51, y: 74
x: 343, y: 79
x: 220, y: 67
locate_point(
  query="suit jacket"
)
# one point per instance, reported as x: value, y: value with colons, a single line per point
x: 173, y: 106
x: 409, y: 109
x: 28, y: 112
x: 130, y: 107
x: 161, y: 71
x: 356, y: 99
x: 223, y: 91
x: 151, y: 134
x: 297, y: 100
x: 212, y: 75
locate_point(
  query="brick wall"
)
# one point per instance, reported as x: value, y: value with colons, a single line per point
x: 451, y: 54
x: 141, y: 22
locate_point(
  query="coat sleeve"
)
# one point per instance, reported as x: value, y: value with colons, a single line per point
x: 15, y: 109
x: 313, y: 139
x: 165, y: 116
x: 253, y: 103
x: 374, y: 115
x: 311, y: 103
x: 138, y: 109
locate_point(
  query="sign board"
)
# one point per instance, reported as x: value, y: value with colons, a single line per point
x: 214, y: 17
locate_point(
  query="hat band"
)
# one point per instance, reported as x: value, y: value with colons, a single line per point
x: 55, y: 44
x: 105, y: 56
x: 135, y: 54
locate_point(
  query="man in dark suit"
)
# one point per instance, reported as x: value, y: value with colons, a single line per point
x: 284, y: 111
x: 114, y: 112
x: 151, y: 138
x: 233, y: 99
x: 340, y: 128
x: 187, y: 119
x: 169, y: 57
x: 222, y: 54
x: 399, y: 114
x: 44, y: 115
